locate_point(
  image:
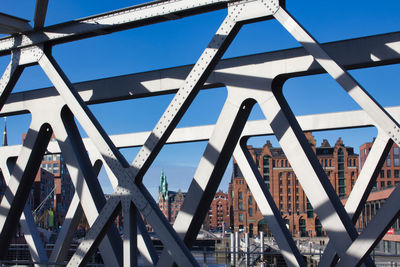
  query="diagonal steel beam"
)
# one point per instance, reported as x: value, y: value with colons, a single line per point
x: 362, y: 188
x: 11, y: 25
x: 267, y: 206
x: 117, y: 163
x: 309, y: 172
x: 20, y: 183
x: 28, y: 226
x: 373, y: 233
x: 68, y: 229
x: 209, y: 172
x: 87, y: 187
x: 70, y: 224
x: 40, y: 13
x: 383, y: 119
x: 10, y: 78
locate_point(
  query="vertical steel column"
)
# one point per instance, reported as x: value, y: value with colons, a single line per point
x: 247, y: 249
x: 262, y: 245
x: 232, y: 235
x: 237, y: 247
x: 130, y: 233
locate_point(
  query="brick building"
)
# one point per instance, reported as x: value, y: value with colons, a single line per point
x: 64, y: 189
x: 390, y: 242
x: 339, y: 162
x: 389, y: 175
x: 218, y: 215
x: 169, y: 202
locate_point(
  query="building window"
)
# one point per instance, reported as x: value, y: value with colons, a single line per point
x: 330, y: 163
x: 396, y: 173
x: 240, y: 195
x: 396, y: 157
x: 266, y: 168
x: 389, y: 174
x: 240, y: 205
x: 310, y: 211
x: 389, y: 183
x: 240, y: 217
x: 250, y: 200
x: 382, y: 174
x: 388, y: 163
x: 251, y: 212
x: 382, y: 184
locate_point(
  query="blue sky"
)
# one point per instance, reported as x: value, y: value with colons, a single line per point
x: 181, y: 42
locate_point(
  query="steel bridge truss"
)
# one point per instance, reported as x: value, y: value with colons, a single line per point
x: 249, y: 80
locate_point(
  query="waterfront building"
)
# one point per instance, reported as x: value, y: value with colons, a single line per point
x: 389, y: 174
x: 390, y: 242
x: 217, y: 217
x: 339, y: 162
x: 169, y: 202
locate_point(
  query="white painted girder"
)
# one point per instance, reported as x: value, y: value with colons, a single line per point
x: 268, y: 208
x: 284, y: 125
x: 366, y: 52
x: 363, y: 186
x: 148, y: 13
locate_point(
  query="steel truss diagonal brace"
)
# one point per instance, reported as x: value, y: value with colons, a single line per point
x: 238, y: 14
x: 28, y: 226
x: 85, y: 182
x: 22, y: 177
x: 374, y: 231
x: 359, y: 94
x: 144, y: 242
x: 363, y: 186
x: 209, y: 172
x: 267, y: 206
x: 309, y: 172
x: 117, y: 164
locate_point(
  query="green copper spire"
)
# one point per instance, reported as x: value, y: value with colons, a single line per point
x: 163, y: 189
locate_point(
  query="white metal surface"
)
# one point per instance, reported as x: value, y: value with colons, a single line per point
x: 249, y: 80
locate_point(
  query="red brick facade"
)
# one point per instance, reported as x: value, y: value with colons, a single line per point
x: 169, y: 202
x: 389, y: 175
x: 218, y: 215
x: 340, y: 165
